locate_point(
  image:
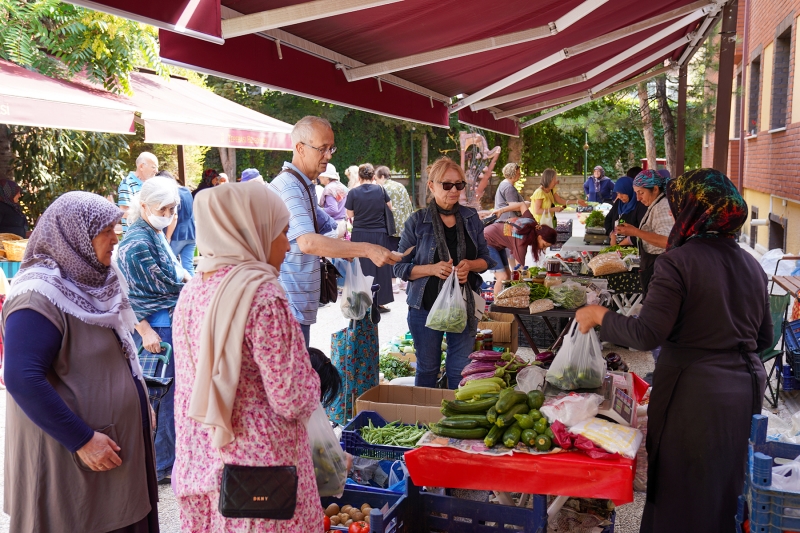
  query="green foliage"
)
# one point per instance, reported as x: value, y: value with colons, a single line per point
x: 392, y: 367
x: 57, y: 161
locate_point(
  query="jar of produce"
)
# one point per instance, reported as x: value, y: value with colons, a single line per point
x: 553, y: 266
x: 488, y: 339
x: 552, y: 280
x: 479, y: 342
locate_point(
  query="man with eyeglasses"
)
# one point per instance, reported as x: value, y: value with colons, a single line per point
x: 314, y: 146
x: 146, y: 168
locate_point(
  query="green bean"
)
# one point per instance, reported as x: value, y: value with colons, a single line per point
x: 393, y: 434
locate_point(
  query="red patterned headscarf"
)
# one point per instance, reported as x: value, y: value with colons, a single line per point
x: 705, y: 204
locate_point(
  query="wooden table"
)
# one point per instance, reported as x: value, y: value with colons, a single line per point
x: 546, y: 315
x: 790, y: 284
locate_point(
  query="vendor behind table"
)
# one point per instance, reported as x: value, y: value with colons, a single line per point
x: 545, y: 198
x: 625, y: 210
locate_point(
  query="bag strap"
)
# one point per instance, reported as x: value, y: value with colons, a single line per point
x: 294, y: 173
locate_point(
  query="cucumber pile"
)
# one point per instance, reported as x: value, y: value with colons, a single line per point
x: 487, y: 409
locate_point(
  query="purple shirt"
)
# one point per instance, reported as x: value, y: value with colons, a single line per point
x: 335, y: 209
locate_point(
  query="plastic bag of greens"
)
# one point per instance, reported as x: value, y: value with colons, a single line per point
x: 330, y: 461
x: 569, y: 295
x: 357, y: 292
x: 579, y: 364
x: 449, y: 312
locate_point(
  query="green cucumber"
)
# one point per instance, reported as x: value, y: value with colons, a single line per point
x: 511, y: 436
x: 469, y: 406
x: 495, y: 434
x: 507, y: 419
x: 476, y: 433
x: 507, y: 401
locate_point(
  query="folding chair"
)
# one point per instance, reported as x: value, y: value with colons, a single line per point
x: 777, y: 308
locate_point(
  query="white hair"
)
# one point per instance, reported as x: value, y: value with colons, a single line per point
x: 304, y: 128
x: 156, y: 192
x: 144, y: 156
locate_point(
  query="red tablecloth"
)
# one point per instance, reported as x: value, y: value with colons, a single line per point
x: 563, y: 474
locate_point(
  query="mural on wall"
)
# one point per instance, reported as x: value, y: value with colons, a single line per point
x: 478, y: 163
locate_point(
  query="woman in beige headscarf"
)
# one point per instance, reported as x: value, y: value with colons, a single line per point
x: 244, y: 381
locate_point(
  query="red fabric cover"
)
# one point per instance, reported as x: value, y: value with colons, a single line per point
x: 205, y: 19
x: 484, y: 120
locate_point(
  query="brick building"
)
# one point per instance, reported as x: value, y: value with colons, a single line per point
x: 772, y: 143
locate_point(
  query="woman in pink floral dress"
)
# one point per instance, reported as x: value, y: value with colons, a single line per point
x: 244, y: 382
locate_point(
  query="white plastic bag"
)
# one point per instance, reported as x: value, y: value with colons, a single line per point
x: 546, y: 219
x: 449, y: 312
x: 531, y: 378
x: 330, y: 462
x: 572, y: 409
x: 579, y: 364
x: 613, y: 438
x: 357, y: 292
x: 770, y: 260
x: 787, y: 477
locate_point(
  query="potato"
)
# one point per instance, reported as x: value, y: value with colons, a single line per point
x: 346, y: 508
x: 335, y: 520
x: 332, y: 510
x: 358, y: 516
x: 348, y: 523
x: 344, y: 517
x: 367, y: 506
x: 366, y: 519
x: 352, y: 512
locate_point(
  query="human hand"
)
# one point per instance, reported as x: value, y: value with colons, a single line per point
x: 151, y: 341
x: 381, y: 256
x: 153, y: 419
x: 100, y: 453
x: 590, y: 316
x: 462, y: 270
x: 582, y: 203
x: 557, y: 209
x: 442, y: 269
x: 628, y: 230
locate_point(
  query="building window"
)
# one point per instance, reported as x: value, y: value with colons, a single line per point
x: 754, y: 96
x: 780, y: 79
x: 737, y: 121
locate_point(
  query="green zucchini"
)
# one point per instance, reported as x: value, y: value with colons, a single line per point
x: 511, y: 436
x: 507, y: 419
x: 507, y: 401
x: 524, y: 421
x: 491, y: 415
x: 476, y: 433
x: 481, y: 419
x: 495, y: 434
x: 469, y: 406
x: 458, y: 424
x: 528, y: 437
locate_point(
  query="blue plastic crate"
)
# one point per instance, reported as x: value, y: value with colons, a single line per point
x: 10, y: 268
x: 395, y: 520
x: 770, y: 511
x: 788, y: 381
x: 355, y: 445
x: 791, y: 337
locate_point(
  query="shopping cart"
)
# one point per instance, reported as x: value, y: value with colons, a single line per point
x: 154, y: 369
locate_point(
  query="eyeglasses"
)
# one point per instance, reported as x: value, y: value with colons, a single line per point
x: 323, y: 151
x: 449, y: 185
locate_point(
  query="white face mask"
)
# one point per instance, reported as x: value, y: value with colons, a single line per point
x: 158, y: 223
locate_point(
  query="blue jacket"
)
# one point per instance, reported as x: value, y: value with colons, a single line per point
x: 184, y: 229
x: 418, y: 232
x: 605, y: 194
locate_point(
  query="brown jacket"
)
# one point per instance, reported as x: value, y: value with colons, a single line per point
x: 48, y: 489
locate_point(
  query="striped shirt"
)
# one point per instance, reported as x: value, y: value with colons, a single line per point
x: 128, y: 188
x: 659, y: 220
x: 300, y: 274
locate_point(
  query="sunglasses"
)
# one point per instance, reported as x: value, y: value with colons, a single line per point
x: 448, y: 186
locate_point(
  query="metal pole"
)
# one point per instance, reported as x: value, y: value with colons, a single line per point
x: 585, y: 154
x: 742, y: 104
x: 680, y: 161
x: 413, y: 178
x: 722, y: 127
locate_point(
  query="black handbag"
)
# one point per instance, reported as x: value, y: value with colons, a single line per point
x: 328, y: 285
x: 258, y: 492
x: 388, y: 214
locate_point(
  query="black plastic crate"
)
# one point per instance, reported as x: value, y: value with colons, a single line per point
x: 538, y: 329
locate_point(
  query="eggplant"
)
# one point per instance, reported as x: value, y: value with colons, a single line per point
x: 545, y: 357
x: 475, y: 367
x: 485, y: 355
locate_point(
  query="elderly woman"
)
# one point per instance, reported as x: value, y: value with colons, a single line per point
x: 78, y: 445
x: 245, y: 384
x: 599, y: 187
x: 12, y: 219
x: 333, y: 196
x: 155, y: 278
x: 366, y: 205
x: 655, y: 225
x: 712, y: 321
x: 446, y: 237
x: 524, y: 232
x: 507, y: 193
x: 626, y: 209
x: 546, y: 199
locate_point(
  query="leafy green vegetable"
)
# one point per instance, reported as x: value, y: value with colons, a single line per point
x: 392, y: 367
x: 394, y: 434
x: 595, y: 220
x: 568, y: 295
x: 623, y: 250
x: 451, y: 320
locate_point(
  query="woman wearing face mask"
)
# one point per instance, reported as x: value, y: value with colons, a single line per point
x: 155, y: 279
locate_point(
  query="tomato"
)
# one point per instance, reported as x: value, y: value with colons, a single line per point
x: 358, y: 527
x: 326, y: 523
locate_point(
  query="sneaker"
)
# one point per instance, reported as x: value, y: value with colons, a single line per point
x: 383, y: 309
x: 166, y: 480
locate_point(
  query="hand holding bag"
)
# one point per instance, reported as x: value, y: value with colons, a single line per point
x: 579, y: 364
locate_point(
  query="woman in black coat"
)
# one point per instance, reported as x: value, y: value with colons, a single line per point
x: 708, y: 308
x: 12, y: 220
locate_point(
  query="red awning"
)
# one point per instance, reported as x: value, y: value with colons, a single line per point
x: 31, y: 99
x: 421, y: 60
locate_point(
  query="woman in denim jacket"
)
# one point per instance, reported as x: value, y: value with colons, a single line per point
x: 446, y: 236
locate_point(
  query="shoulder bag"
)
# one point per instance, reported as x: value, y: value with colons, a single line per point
x: 267, y: 492
x: 388, y: 214
x: 328, y: 288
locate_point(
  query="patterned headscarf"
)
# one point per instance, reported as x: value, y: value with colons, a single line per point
x: 649, y: 179
x: 8, y: 191
x: 705, y: 203
x: 60, y: 264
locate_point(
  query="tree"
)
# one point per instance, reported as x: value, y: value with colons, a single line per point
x: 647, y: 125
x: 667, y: 123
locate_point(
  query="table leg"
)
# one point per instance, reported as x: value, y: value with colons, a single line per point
x: 560, y: 338
x: 556, y: 506
x: 526, y: 334
x: 504, y: 498
x: 550, y: 327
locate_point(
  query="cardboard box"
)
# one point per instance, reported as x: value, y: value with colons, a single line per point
x: 407, y: 404
x: 505, y: 330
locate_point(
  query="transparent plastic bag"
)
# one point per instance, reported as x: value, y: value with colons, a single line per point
x: 579, y: 364
x: 569, y: 295
x: 571, y: 409
x: 609, y: 263
x: 449, y: 312
x: 787, y: 477
x: 330, y: 462
x: 357, y: 292
x: 520, y: 289
x: 613, y: 438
